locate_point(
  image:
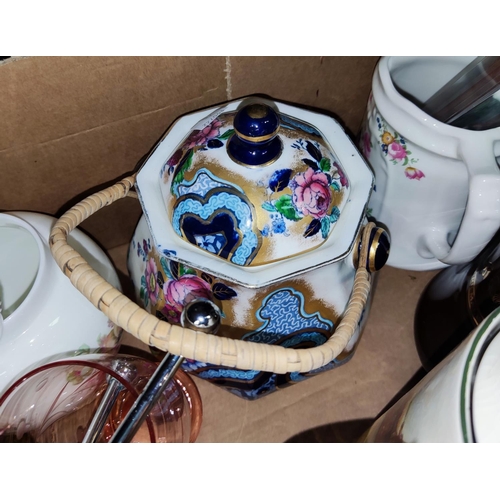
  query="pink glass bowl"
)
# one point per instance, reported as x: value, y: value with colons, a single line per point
x: 56, y: 402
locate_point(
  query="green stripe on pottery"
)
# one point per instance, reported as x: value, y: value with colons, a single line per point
x: 479, y: 335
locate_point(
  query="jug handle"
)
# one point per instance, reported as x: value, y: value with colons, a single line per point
x: 481, y: 219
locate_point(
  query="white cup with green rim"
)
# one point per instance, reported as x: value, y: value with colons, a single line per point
x: 458, y: 401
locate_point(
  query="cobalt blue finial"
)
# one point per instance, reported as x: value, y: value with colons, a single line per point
x: 255, y: 142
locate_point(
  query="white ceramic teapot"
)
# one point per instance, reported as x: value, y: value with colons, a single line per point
x: 259, y: 206
x: 43, y: 315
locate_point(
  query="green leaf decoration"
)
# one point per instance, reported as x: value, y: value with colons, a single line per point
x: 183, y: 166
x: 227, y: 134
x: 185, y: 270
x: 325, y: 227
x: 334, y: 216
x: 267, y: 205
x: 285, y: 207
x: 141, y: 294
x: 325, y: 164
x: 143, y: 281
x: 335, y: 186
x: 405, y: 162
x: 408, y: 152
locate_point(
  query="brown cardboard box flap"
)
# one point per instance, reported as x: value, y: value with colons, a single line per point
x: 72, y: 124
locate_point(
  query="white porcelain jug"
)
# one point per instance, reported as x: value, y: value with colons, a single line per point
x: 437, y: 187
x: 43, y: 315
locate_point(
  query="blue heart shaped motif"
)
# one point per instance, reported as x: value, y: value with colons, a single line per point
x: 219, y: 223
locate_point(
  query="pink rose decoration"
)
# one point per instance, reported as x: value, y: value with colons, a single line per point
x: 311, y: 193
x: 201, y: 137
x: 152, y: 288
x: 180, y: 292
x: 414, y: 173
x: 396, y: 151
x: 367, y: 146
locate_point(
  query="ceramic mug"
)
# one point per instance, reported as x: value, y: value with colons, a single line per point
x: 437, y: 187
x: 458, y: 401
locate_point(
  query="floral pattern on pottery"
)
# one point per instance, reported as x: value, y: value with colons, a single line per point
x: 291, y: 178
x: 150, y: 283
x: 174, y: 285
x: 208, y: 138
x: 311, y: 194
x: 180, y: 292
x: 236, y: 212
x: 107, y: 343
x: 393, y: 146
x: 366, y: 142
x: 142, y: 249
x: 281, y: 314
x: 111, y: 340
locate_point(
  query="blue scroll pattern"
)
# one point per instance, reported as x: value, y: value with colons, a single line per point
x: 202, y: 183
x: 283, y: 314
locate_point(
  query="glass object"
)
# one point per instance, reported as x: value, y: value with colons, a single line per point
x: 56, y: 402
x: 455, y: 302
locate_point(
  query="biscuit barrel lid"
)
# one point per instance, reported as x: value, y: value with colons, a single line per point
x: 253, y: 186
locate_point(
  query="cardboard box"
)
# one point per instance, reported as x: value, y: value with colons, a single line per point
x: 72, y: 125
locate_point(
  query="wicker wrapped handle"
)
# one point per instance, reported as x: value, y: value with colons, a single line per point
x: 202, y: 347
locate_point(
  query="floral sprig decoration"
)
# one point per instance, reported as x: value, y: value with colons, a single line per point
x: 394, y: 146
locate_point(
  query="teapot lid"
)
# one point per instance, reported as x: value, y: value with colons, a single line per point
x: 255, y: 191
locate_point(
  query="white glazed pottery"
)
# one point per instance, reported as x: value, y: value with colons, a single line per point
x: 437, y: 187
x: 257, y: 205
x: 44, y: 316
x: 457, y: 402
